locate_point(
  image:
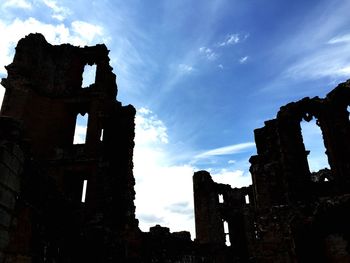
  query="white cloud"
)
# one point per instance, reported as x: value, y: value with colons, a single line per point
x: 322, y: 63
x: 235, y: 178
x: 185, y: 68
x: 58, y: 12
x: 220, y: 66
x: 209, y: 53
x: 149, y: 128
x: 340, y: 39
x: 226, y: 150
x: 243, y: 60
x: 17, y: 4
x: 86, y: 32
x: 317, y: 52
x: 233, y: 39
x: 159, y: 184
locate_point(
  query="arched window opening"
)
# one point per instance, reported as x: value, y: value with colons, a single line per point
x: 246, y: 199
x: 89, y: 75
x: 227, y: 234
x: 80, y: 129
x: 83, y: 193
x: 221, y: 198
x: 314, y: 145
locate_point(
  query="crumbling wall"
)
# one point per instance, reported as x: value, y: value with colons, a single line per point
x: 44, y: 92
x: 223, y: 217
x: 294, y: 215
x: 289, y: 198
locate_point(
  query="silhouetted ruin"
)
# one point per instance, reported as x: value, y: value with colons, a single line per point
x: 288, y: 214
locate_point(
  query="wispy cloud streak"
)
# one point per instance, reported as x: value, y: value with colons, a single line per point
x: 226, y: 150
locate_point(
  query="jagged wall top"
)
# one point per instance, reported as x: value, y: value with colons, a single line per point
x: 56, y: 70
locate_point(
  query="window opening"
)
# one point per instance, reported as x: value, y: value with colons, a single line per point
x: 228, y: 242
x: 227, y: 234
x: 80, y: 129
x: 89, y: 75
x: 348, y: 109
x: 225, y: 227
x: 83, y: 194
x: 313, y: 142
x: 256, y: 232
x: 101, y: 136
x: 221, y: 198
x: 247, y: 199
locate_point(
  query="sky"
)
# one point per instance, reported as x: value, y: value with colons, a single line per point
x: 202, y: 76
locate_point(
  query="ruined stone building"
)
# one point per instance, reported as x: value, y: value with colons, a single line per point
x: 287, y: 215
x: 42, y: 172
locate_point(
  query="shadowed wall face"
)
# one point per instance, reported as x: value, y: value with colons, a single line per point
x: 44, y: 94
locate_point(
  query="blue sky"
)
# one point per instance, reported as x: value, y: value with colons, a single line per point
x: 202, y: 75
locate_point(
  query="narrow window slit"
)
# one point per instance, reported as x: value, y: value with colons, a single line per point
x: 247, y: 199
x: 83, y: 194
x: 228, y: 242
x: 221, y: 198
x: 101, y: 136
x: 226, y: 227
x: 227, y: 234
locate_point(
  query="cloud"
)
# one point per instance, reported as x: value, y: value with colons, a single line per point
x: 220, y: 66
x: 209, y: 53
x: 183, y: 208
x: 314, y: 52
x: 149, y: 128
x: 243, y: 60
x: 150, y: 218
x: 233, y: 39
x: 340, y: 39
x: 321, y: 63
x: 86, y: 32
x: 58, y: 12
x: 161, y: 186
x: 23, y: 4
x: 185, y: 68
x: 226, y: 150
x: 236, y: 178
